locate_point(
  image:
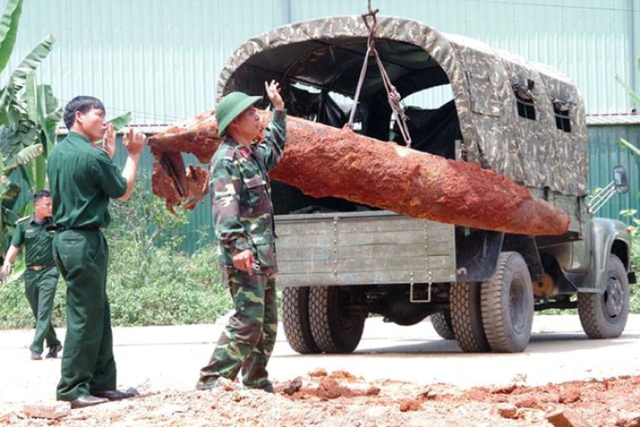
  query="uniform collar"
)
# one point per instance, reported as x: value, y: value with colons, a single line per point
x: 78, y: 137
x: 32, y: 220
x: 75, y: 136
x: 242, y: 149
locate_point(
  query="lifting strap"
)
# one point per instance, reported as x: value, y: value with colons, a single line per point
x: 393, y: 96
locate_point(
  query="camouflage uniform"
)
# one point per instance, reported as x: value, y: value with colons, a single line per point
x: 243, y: 218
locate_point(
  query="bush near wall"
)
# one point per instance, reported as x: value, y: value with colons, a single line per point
x: 150, y: 281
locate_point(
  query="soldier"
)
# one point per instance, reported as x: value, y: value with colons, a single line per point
x: 41, y: 275
x: 244, y: 226
x: 83, y: 179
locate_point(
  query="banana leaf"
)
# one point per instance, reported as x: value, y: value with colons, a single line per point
x: 24, y: 156
x: 14, y: 138
x: 9, y: 102
x: 121, y: 121
x: 11, y: 193
x: 626, y: 144
x: 634, y: 96
x: 9, y: 30
x: 43, y: 109
x: 50, y: 113
x: 30, y: 62
x: 31, y: 98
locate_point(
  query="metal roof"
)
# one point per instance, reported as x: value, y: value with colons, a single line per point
x: 613, y: 119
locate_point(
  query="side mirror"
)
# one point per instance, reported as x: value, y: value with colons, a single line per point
x: 620, y: 179
x: 618, y: 185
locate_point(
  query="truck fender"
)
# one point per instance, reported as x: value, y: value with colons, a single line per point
x: 592, y: 254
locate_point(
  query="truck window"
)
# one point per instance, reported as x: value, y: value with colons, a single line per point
x: 561, y: 111
x: 524, y: 100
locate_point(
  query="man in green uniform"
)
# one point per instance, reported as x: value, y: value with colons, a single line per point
x: 41, y: 275
x: 83, y: 179
x: 244, y: 226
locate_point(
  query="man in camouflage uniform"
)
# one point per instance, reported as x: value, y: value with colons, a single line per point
x: 41, y: 275
x: 244, y: 226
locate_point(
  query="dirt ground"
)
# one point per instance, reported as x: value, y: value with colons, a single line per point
x: 399, y: 376
x: 321, y: 398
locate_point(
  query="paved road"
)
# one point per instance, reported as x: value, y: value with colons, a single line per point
x: 169, y: 357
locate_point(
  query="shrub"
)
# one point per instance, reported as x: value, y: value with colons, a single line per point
x: 150, y: 281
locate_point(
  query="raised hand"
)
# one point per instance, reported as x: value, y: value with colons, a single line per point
x: 109, y: 145
x: 134, y: 142
x: 273, y: 92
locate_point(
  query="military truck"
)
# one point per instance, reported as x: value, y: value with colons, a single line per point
x: 340, y: 261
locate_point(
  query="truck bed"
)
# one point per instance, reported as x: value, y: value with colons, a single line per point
x: 363, y: 248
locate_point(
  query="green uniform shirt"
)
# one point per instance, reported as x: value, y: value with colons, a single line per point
x: 82, y: 179
x: 36, y: 241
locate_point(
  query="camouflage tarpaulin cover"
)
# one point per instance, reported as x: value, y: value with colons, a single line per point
x: 327, y: 54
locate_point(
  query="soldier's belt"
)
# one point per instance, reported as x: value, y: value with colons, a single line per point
x: 38, y: 267
x: 90, y: 227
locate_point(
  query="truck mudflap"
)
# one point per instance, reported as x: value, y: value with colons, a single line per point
x: 363, y: 248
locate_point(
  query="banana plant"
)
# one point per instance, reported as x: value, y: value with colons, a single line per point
x: 29, y: 114
x: 626, y: 144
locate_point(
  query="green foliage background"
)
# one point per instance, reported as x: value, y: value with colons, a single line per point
x: 150, y: 281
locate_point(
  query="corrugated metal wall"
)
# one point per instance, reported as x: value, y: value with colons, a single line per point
x: 589, y: 40
x: 161, y: 58
x: 604, y: 154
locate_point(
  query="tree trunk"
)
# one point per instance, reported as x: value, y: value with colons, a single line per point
x: 325, y: 161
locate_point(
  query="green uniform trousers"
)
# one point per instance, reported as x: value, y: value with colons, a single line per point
x: 250, y: 335
x: 87, y: 363
x: 40, y: 290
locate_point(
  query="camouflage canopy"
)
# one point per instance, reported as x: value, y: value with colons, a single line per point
x: 521, y: 119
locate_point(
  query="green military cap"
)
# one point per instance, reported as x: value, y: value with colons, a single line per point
x: 231, y: 106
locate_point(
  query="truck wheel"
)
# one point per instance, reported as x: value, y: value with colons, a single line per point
x: 336, y: 323
x: 295, y: 319
x: 605, y: 315
x: 441, y: 322
x: 507, y: 305
x: 466, y: 317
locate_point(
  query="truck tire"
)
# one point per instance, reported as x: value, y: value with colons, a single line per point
x: 295, y: 319
x: 507, y: 305
x: 605, y: 315
x: 441, y: 322
x: 336, y: 327
x: 466, y: 317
